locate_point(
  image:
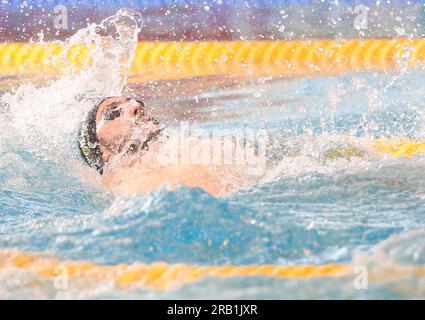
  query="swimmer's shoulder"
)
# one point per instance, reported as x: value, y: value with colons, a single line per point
x: 138, y: 178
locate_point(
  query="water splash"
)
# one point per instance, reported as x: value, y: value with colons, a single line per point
x: 43, y: 119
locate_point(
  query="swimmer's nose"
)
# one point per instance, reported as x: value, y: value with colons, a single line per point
x: 134, y: 108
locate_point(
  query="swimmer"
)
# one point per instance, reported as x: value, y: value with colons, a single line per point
x: 127, y: 147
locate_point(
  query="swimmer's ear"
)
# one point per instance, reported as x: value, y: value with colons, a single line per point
x: 106, y: 154
x: 106, y: 157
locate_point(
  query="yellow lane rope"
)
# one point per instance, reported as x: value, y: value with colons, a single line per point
x: 157, y: 275
x: 398, y: 147
x: 164, y: 276
x: 170, y: 60
x: 394, y: 147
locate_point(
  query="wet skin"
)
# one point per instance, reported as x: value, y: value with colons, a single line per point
x: 117, y: 121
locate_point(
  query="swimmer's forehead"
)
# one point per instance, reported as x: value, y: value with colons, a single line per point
x: 108, y: 103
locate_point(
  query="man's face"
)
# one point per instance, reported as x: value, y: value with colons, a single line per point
x: 123, y: 126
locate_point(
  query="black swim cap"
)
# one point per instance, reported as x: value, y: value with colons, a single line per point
x: 87, y: 140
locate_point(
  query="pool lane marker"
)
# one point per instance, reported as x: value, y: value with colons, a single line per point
x: 158, y: 275
x: 164, y: 276
x: 172, y: 60
x: 398, y: 147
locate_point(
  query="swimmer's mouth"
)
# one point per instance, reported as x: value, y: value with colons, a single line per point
x: 142, y: 120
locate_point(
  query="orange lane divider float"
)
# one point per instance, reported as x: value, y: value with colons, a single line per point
x: 164, y: 276
x: 157, y: 275
x: 171, y: 60
x: 398, y: 147
x: 394, y: 147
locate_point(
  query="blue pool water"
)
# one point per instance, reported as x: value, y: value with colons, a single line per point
x: 308, y: 209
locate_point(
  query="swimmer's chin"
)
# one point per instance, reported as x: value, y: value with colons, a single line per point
x: 141, y: 151
x: 154, y: 131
